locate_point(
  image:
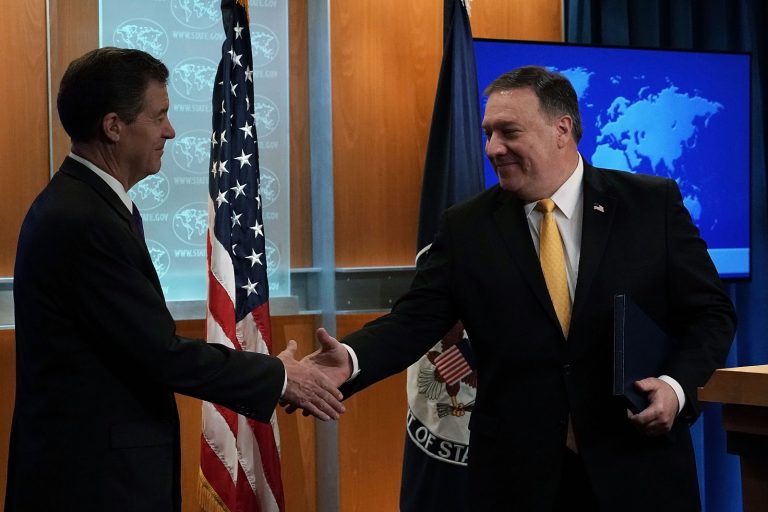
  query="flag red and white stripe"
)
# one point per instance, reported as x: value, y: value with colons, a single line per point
x: 452, y: 365
x: 239, y: 459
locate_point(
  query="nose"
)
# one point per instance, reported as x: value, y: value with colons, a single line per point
x: 168, y: 131
x: 493, y: 146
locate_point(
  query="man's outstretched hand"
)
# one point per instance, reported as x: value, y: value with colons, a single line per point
x: 309, y: 388
x: 331, y: 359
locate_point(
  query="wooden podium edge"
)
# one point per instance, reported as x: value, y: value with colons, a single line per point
x: 743, y: 392
x: 744, y: 385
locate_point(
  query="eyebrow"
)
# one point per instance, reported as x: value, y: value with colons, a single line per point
x: 501, y: 125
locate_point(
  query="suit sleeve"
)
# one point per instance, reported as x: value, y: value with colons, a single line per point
x: 703, y: 316
x: 119, y: 304
x: 418, y: 320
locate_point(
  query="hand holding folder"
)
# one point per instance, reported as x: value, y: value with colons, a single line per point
x: 639, y: 350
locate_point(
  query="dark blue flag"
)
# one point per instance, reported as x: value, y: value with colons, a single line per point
x: 453, y: 169
x: 440, y: 403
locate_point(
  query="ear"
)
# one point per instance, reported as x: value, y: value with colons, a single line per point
x: 564, y: 129
x: 111, y: 126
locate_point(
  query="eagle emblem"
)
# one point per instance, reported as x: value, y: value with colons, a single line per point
x: 432, y: 383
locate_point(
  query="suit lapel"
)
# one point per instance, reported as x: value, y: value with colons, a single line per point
x: 80, y: 172
x: 510, y: 220
x: 599, y: 212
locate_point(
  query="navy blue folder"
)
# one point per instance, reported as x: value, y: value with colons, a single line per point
x: 639, y: 350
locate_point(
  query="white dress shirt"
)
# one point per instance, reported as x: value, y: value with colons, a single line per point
x: 108, y: 179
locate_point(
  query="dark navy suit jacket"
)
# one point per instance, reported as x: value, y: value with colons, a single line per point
x: 638, y: 239
x: 95, y: 426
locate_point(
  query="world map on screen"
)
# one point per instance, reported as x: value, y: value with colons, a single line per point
x: 679, y: 114
x: 646, y: 128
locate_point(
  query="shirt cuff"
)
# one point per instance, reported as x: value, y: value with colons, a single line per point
x: 355, y: 364
x: 285, y: 383
x: 678, y: 391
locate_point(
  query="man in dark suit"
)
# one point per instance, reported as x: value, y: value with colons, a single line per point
x: 546, y: 432
x: 95, y: 425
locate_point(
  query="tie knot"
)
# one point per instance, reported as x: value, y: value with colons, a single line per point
x: 545, y: 205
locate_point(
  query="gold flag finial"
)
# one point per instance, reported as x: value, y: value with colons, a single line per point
x: 244, y: 3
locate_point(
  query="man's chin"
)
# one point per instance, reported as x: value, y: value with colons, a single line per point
x: 516, y: 187
x: 509, y: 186
x: 509, y: 180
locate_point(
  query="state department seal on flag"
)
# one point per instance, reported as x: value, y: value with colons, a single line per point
x: 439, y: 412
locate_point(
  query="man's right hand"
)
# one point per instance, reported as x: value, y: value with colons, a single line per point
x: 308, y: 388
x: 331, y: 358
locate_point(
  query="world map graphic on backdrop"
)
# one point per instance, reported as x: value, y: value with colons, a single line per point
x: 647, y: 128
x: 187, y: 36
x: 677, y: 114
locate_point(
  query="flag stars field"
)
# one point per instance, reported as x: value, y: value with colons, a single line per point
x: 254, y: 258
x: 250, y: 287
x: 222, y: 198
x: 247, y: 129
x: 238, y: 188
x: 257, y: 229
x: 243, y: 158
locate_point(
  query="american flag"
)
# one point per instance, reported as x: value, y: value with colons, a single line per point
x: 454, y: 364
x: 239, y: 460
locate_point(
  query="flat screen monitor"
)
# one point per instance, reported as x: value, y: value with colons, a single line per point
x: 679, y: 114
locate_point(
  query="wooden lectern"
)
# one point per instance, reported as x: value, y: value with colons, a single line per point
x: 744, y: 394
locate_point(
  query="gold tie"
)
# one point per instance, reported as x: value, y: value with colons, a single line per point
x: 552, y: 258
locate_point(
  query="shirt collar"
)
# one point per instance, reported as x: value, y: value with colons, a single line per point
x: 567, y: 196
x: 108, y: 179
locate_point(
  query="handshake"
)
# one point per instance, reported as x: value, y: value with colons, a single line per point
x: 313, y: 382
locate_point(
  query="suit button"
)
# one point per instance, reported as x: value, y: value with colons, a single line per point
x: 567, y: 368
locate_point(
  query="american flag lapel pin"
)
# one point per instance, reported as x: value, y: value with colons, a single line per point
x: 598, y: 207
